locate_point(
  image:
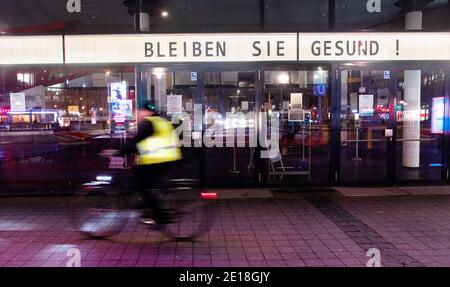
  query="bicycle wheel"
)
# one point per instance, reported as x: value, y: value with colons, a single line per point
x: 97, y: 212
x: 189, y: 213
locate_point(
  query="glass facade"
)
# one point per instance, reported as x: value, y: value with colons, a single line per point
x: 52, y: 120
x: 334, y: 122
x: 425, y: 144
x: 393, y: 125
x: 56, y: 119
x: 76, y: 98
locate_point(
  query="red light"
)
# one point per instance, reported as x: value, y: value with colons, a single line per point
x: 4, y: 111
x: 209, y: 195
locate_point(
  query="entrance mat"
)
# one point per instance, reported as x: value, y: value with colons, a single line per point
x: 301, y: 190
x: 242, y: 193
x: 369, y: 191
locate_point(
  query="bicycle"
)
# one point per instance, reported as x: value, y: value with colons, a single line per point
x: 101, y: 208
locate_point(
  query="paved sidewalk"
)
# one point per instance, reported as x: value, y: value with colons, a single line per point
x: 394, y: 190
x: 288, y: 229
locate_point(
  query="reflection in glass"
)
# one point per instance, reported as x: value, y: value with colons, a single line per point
x: 420, y: 120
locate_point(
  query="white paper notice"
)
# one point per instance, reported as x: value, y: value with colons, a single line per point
x: 174, y: 104
x: 297, y: 100
x: 17, y: 102
x: 366, y: 105
x: 189, y: 105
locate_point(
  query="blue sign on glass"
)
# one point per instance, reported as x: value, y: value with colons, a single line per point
x: 193, y: 76
x: 320, y: 90
x: 387, y: 75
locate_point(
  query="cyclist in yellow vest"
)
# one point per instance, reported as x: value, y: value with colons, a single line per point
x: 157, y: 149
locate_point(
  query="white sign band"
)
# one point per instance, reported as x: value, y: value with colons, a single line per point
x: 374, y: 46
x: 248, y: 47
x: 154, y: 48
x: 19, y: 50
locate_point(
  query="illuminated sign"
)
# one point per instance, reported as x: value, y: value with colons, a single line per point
x: 320, y: 90
x: 123, y: 108
x: 224, y: 47
x: 73, y: 109
x: 118, y: 91
x: 437, y: 116
x: 17, y: 50
x: 120, y: 107
x: 374, y: 46
x: 4, y: 111
x: 136, y: 48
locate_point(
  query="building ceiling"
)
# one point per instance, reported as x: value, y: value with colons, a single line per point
x: 351, y: 14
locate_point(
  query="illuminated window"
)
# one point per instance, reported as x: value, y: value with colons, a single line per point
x: 26, y: 78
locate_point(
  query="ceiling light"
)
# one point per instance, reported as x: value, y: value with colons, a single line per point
x: 283, y: 78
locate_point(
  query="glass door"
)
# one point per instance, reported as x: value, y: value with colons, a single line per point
x: 364, y: 121
x: 300, y: 101
x: 392, y: 125
x: 175, y: 91
x: 229, y: 138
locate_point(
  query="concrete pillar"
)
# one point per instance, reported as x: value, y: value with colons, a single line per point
x: 411, y: 118
x: 413, y: 20
x: 412, y: 95
x: 148, y: 80
x: 160, y: 91
x: 144, y: 22
x: 141, y: 24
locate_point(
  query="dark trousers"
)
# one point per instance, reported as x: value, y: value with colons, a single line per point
x: 150, y: 177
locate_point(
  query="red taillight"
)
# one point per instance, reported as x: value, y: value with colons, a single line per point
x: 208, y: 195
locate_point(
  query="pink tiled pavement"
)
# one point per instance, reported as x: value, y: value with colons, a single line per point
x: 288, y: 230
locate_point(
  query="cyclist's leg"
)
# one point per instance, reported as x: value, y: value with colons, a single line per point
x: 142, y: 174
x: 149, y: 177
x: 160, y: 173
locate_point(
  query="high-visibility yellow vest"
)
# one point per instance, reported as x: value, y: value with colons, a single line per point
x: 162, y: 146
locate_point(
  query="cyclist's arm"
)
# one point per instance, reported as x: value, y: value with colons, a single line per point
x: 145, y: 130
